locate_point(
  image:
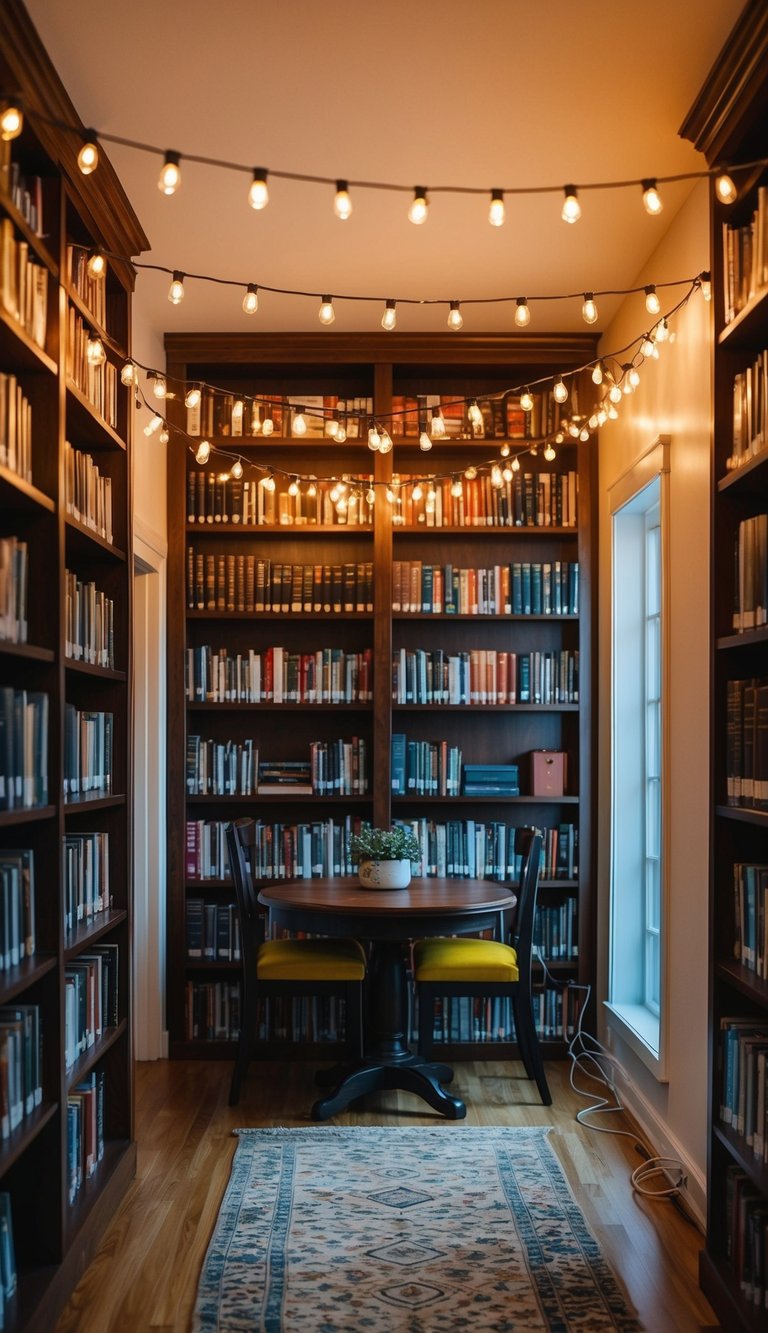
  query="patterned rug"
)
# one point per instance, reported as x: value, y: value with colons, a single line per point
x: 367, y: 1230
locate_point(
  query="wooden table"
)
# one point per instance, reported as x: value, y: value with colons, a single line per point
x: 385, y: 919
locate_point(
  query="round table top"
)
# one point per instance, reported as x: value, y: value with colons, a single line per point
x: 424, y: 897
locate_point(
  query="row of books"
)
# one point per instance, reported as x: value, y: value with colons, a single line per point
x: 484, y: 676
x: 17, y: 906
x: 92, y: 291
x: 8, y: 1276
x: 23, y: 749
x: 232, y: 768
x: 87, y: 493
x: 276, y: 675
x: 89, y: 623
x: 88, y: 751
x: 750, y: 411
x: 98, y: 382
x: 743, y: 1048
x: 750, y: 592
x: 212, y: 1010
x: 526, y: 500
x: 750, y: 895
x: 15, y: 428
x: 318, y: 849
x: 233, y: 415
x: 225, y: 582
x: 21, y: 1065
x: 485, y: 849
x: 213, y: 931
x: 746, y: 743
x: 746, y: 258
x: 23, y: 284
x: 14, y: 570
x: 91, y: 993
x: 501, y: 417
x: 220, y: 498
x: 25, y: 191
x: 85, y: 1131
x: 221, y: 768
x: 555, y: 931
x: 466, y: 1018
x: 86, y: 878
x: 521, y: 588
x: 425, y: 768
x: 746, y: 1237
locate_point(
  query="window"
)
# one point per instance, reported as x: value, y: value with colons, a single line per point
x: 636, y: 966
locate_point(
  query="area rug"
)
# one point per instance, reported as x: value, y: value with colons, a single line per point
x: 330, y: 1230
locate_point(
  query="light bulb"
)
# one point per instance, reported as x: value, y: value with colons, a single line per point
x: 385, y: 441
x: 515, y: 464
x: 652, y: 302
x: 646, y: 346
x: 374, y: 439
x: 293, y: 487
x: 238, y: 408
x: 11, y: 122
x: 326, y: 314
x: 597, y: 373
x: 549, y: 453
x: 417, y: 213
x: 299, y: 422
x: 522, y: 313
x: 193, y: 396
x: 589, y: 309
x: 497, y: 212
x: 176, y: 289
x: 507, y: 473
x: 258, y: 194
x: 612, y: 413
x: 153, y: 425
x: 342, y: 204
x: 128, y: 374
x: 341, y: 433
x: 455, y: 320
x: 662, y: 331
x: 560, y: 392
x: 573, y: 429
x: 97, y: 265
x: 389, y: 318
x: 614, y: 393
x: 456, y: 488
x: 237, y: 469
x: 164, y: 435
x: 417, y: 492
x: 504, y: 450
x: 331, y: 428
x: 94, y: 351
x: 706, y: 286
x: 497, y: 479
x: 251, y: 299
x: 634, y: 377
x: 593, y: 422
x: 651, y: 198
x: 267, y: 425
x: 159, y: 386
x: 268, y: 482
x: 88, y: 157
x: 470, y: 472
x: 724, y: 188
x: 370, y: 496
x: 474, y: 414
x: 170, y: 176
x: 602, y: 417
x: 437, y: 425
x: 526, y: 400
x: 425, y: 443
x: 571, y: 211
x: 584, y: 435
x: 342, y: 504
x: 334, y: 494
x: 312, y: 490
x: 203, y: 452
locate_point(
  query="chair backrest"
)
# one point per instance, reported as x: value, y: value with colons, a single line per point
x: 528, y: 842
x: 241, y: 834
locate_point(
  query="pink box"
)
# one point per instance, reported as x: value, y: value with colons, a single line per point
x: 548, y: 772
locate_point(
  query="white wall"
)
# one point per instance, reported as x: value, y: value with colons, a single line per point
x: 674, y: 399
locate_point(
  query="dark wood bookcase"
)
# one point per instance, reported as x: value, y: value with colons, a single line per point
x: 55, y: 1238
x: 383, y: 368
x: 729, y: 123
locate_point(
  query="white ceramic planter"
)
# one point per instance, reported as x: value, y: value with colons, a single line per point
x: 384, y: 874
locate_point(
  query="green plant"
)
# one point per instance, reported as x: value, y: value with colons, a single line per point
x: 379, y: 844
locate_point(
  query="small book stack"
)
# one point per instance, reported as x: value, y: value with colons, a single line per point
x: 491, y: 780
x: 284, y: 777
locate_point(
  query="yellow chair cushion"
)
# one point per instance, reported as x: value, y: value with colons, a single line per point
x: 465, y: 960
x: 310, y: 960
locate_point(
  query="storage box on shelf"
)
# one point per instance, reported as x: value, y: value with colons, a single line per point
x: 393, y: 566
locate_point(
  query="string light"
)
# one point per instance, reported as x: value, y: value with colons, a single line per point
x: 706, y: 286
x: 97, y: 265
x: 651, y: 198
x: 311, y: 490
x: 385, y: 441
x: 571, y: 211
x: 374, y: 439
x: 455, y: 320
x: 251, y: 299
x: 597, y: 373
x: 614, y: 393
x: 589, y: 309
x: 470, y: 472
x: 425, y: 443
x: 258, y: 194
x: 326, y: 314
x: 724, y: 188
x: 560, y: 391
x: 652, y: 302
x: 193, y: 396
x: 515, y: 464
x: 268, y: 482
x: 153, y: 425
x: 550, y: 454
x: 526, y: 400
x: 88, y: 157
x: 417, y: 492
x: 504, y: 450
x: 474, y: 414
x: 497, y: 212
x: 267, y: 425
x: 164, y: 435
x: 389, y: 318
x: 457, y: 490
x: 159, y: 386
x: 342, y: 204
x: 522, y: 313
x: 370, y: 496
x: 203, y: 452
x: 299, y: 422
x: 437, y: 425
x: 94, y: 350
x: 662, y: 331
x: 417, y: 213
x: 170, y: 176
x: 237, y: 469
x: 128, y: 374
x: 634, y: 377
x: 584, y: 435
x: 176, y: 289
x: 293, y: 486
x: 11, y: 122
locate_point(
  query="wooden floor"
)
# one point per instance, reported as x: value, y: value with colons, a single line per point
x: 145, y: 1273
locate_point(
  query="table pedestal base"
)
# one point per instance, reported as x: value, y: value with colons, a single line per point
x: 411, y: 1073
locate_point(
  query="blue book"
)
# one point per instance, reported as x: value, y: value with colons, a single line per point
x: 526, y: 588
x: 398, y: 764
x: 517, y: 588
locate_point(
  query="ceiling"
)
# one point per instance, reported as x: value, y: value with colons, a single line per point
x: 488, y: 94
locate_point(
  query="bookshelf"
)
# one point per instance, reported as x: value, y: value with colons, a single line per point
x: 728, y: 123
x: 67, y: 1154
x: 391, y: 372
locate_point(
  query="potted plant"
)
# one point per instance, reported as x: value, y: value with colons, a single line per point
x: 384, y: 857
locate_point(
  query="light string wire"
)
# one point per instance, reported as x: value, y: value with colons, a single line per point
x: 91, y: 134
x: 365, y: 483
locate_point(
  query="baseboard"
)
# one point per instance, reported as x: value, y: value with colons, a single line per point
x: 654, y: 1132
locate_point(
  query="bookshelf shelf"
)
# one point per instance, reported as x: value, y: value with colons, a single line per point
x: 84, y: 538
x: 18, y: 351
x: 747, y: 639
x: 90, y: 932
x: 22, y: 495
x: 748, y: 327
x: 110, y: 344
x: 385, y: 370
x: 27, y: 973
x: 743, y: 815
x: 31, y: 816
x: 87, y: 423
x: 23, y: 228
x: 742, y: 979
x: 90, y: 669
x: 31, y: 651
x: 95, y: 1053
x: 736, y: 479
x: 92, y: 800
x: 24, y: 1134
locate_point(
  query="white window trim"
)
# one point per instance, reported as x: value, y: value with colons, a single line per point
x: 633, y: 1023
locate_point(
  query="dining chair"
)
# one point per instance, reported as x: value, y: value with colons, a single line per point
x: 490, y: 968
x: 285, y: 968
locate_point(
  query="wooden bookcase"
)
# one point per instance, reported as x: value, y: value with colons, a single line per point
x: 729, y: 123
x: 54, y: 1237
x: 381, y: 368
